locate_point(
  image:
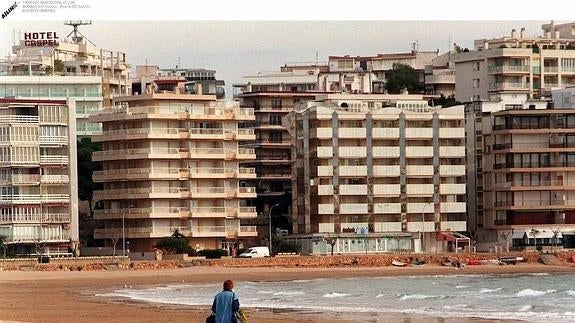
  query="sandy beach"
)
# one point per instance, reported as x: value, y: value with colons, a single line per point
x: 31, y: 296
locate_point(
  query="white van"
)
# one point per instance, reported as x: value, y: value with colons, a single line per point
x: 256, y: 252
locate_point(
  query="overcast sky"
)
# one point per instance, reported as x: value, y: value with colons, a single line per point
x: 235, y: 49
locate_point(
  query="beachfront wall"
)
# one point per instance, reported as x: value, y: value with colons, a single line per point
x: 383, y: 167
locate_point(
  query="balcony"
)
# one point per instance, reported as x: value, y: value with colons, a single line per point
x: 212, y: 192
x: 418, y: 133
x: 208, y: 172
x: 247, y: 192
x: 387, y: 226
x: 35, y: 218
x: 419, y: 208
x: 353, y: 190
x: 137, y: 173
x: 34, y: 198
x: 352, y: 133
x: 54, y: 160
x: 499, y: 69
x: 455, y: 151
x: 453, y: 226
x: 551, y: 69
x: 142, y: 133
x: 353, y: 208
x: 420, y: 189
x: 352, y: 152
x: 386, y: 170
x: 387, y: 208
x: 246, y: 154
x: 53, y: 140
x: 385, y: 152
x: 325, y: 209
x: 278, y: 174
x: 143, y: 213
x: 245, y: 134
x: 452, y: 133
x: 247, y: 173
x: 324, y: 152
x: 421, y: 226
x: 419, y: 170
x: 24, y: 179
x: 140, y: 193
x: 209, y: 212
x: 453, y: 207
x: 129, y: 233
x: 353, y: 171
x: 137, y: 153
x: 324, y: 133
x: 326, y: 227
x: 212, y: 231
x: 247, y: 212
x: 55, y: 179
x: 207, y: 153
x: 325, y: 190
x: 386, y: 189
x: 452, y: 189
x: 509, y: 86
x: 423, y: 151
x: 325, y: 171
x: 452, y: 170
x: 385, y: 133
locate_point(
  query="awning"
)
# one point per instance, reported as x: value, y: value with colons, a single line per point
x: 518, y: 234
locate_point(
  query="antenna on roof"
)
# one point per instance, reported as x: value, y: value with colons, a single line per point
x: 316, y: 58
x: 75, y: 24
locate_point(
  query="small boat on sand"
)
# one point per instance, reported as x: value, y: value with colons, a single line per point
x: 398, y: 263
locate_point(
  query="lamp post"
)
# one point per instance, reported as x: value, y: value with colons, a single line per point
x: 270, y: 226
x: 123, y: 237
x: 423, y: 227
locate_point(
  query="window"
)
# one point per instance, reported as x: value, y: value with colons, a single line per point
x: 275, y: 120
x: 275, y: 136
x: 276, y: 103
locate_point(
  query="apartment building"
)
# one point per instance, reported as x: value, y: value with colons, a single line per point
x: 272, y: 95
x: 564, y: 98
x: 522, y: 175
x: 377, y: 173
x: 68, y: 68
x: 440, y: 76
x: 368, y: 74
x: 199, y: 79
x: 171, y: 161
x: 502, y: 68
x: 38, y: 189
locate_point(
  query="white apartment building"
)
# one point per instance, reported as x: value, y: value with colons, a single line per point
x: 38, y: 189
x: 73, y: 68
x: 507, y: 67
x: 171, y: 162
x: 440, y: 76
x: 378, y: 173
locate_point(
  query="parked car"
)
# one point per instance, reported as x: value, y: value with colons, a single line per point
x: 256, y: 252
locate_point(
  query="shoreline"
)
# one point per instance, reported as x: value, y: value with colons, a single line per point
x: 71, y: 296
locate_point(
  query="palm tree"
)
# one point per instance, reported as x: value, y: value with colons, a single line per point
x: 555, y: 235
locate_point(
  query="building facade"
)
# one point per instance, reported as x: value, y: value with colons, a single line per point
x: 171, y: 161
x: 38, y: 189
x: 71, y: 68
x: 501, y: 68
x: 377, y: 173
x: 198, y: 76
x: 521, y: 175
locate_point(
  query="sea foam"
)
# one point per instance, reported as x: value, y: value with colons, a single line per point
x: 530, y: 292
x: 487, y: 290
x: 333, y: 295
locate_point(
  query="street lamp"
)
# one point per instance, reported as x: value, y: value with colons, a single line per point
x: 423, y: 228
x: 270, y: 226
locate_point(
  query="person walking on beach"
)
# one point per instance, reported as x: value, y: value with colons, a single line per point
x: 226, y: 304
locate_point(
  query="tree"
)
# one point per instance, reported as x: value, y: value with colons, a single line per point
x: 331, y: 240
x: 444, y: 102
x: 504, y: 235
x: 86, y: 168
x: 49, y: 70
x: 555, y: 235
x: 59, y: 65
x: 3, y: 245
x: 177, y: 243
x: 401, y: 77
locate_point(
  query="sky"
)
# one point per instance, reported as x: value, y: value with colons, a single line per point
x: 239, y: 48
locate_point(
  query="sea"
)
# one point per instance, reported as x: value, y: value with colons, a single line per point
x: 524, y: 297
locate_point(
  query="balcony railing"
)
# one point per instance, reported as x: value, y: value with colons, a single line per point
x: 508, y: 86
x: 508, y: 68
x: 15, y: 119
x: 54, y: 159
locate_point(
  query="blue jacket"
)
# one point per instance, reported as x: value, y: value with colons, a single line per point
x: 225, y: 305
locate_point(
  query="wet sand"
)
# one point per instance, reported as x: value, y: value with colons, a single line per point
x: 30, y: 296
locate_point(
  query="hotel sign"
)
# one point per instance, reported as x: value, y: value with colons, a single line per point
x: 41, y: 39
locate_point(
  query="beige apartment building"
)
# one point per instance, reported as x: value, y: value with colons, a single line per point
x: 377, y: 173
x: 38, y: 186
x: 503, y: 68
x: 521, y: 171
x: 171, y: 161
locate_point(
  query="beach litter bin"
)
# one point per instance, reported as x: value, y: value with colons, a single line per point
x: 44, y: 259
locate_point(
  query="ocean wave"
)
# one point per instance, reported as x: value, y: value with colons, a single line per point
x: 288, y: 293
x: 526, y: 308
x: 530, y: 292
x: 487, y: 290
x: 539, y: 274
x: 333, y: 295
x: 570, y: 292
x: 461, y: 286
x: 405, y: 297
